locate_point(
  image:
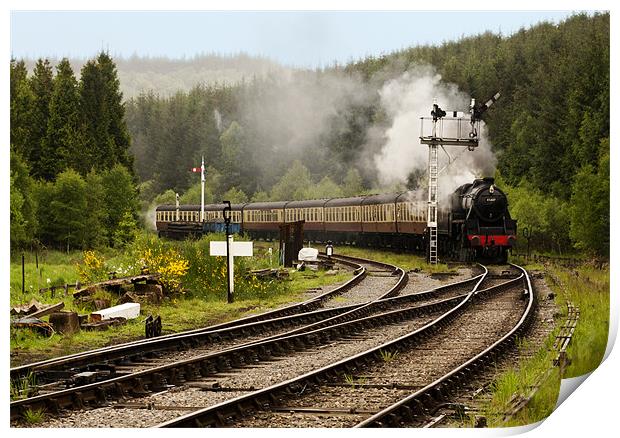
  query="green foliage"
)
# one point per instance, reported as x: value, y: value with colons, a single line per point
x: 260, y: 196
x: 589, y: 289
x: 125, y: 231
x: 388, y: 356
x: 34, y: 416
x: 293, y: 185
x: 95, y: 233
x: 22, y: 105
x: 24, y: 387
x: 590, y: 203
x: 166, y: 198
x: 42, y: 89
x: 326, y: 188
x: 68, y: 207
x: 22, y: 203
x: 235, y: 196
x: 120, y: 198
x: 544, y: 215
x: 100, y: 147
x: 194, y: 193
x: 62, y: 144
x: 352, y: 184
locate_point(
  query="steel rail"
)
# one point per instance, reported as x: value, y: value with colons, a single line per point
x: 379, y: 305
x: 224, y: 413
x: 211, y: 333
x: 157, y: 377
x: 414, y: 406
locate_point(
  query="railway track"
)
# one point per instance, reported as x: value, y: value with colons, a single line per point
x: 92, y: 366
x: 64, y: 366
x: 409, y: 402
x: 162, y: 377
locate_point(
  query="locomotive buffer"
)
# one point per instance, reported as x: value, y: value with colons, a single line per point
x: 452, y: 128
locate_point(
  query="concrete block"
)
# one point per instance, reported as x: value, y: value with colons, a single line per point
x: 127, y: 311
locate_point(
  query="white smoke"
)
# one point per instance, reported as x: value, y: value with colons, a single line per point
x: 148, y: 218
x: 405, y: 100
x: 218, y: 119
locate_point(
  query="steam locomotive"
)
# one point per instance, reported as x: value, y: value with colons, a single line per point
x: 474, y: 225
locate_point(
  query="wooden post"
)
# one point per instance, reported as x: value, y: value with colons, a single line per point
x: 53, y: 290
x: 66, y: 289
x: 23, y: 276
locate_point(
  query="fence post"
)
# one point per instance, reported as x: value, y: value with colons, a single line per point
x: 66, y: 289
x: 53, y: 290
x: 23, y: 276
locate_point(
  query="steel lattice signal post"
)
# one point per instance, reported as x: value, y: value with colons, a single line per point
x: 451, y: 128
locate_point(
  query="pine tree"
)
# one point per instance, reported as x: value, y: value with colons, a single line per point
x: 22, y: 103
x: 114, y: 110
x: 99, y: 146
x: 41, y: 84
x: 62, y: 146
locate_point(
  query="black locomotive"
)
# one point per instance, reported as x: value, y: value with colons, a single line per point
x: 481, y: 222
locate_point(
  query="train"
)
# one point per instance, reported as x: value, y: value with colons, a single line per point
x: 474, y: 224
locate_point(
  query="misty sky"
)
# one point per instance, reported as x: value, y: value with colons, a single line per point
x: 296, y: 38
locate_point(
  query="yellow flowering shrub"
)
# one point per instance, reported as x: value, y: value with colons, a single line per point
x: 168, y: 262
x: 92, y: 268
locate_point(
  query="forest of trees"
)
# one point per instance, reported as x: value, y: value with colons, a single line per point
x: 72, y: 182
x: 309, y: 134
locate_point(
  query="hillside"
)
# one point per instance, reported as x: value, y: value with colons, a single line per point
x: 167, y: 76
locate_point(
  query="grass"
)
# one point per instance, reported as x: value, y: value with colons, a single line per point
x: 406, y: 261
x: 588, y: 289
x: 388, y: 356
x: 518, y: 382
x: 59, y: 268
x: 179, y: 312
x: 23, y: 388
x: 34, y: 416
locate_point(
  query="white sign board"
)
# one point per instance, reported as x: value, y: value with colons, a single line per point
x: 239, y: 249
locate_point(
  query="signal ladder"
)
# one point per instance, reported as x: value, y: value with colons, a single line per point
x: 431, y: 221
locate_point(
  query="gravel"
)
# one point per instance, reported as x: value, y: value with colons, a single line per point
x: 281, y: 369
x: 472, y: 332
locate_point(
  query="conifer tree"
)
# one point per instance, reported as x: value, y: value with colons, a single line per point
x: 98, y: 149
x: 62, y: 145
x: 114, y: 110
x: 41, y: 84
x: 22, y: 102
